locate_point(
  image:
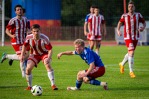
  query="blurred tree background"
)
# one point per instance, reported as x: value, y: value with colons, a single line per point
x: 73, y: 12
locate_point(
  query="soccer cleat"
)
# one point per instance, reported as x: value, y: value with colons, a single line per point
x: 54, y: 87
x: 121, y: 68
x: 3, y: 57
x: 105, y: 86
x: 10, y: 62
x: 28, y: 88
x: 132, y: 75
x: 72, y: 88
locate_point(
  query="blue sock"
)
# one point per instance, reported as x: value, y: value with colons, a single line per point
x: 78, y: 84
x: 94, y: 82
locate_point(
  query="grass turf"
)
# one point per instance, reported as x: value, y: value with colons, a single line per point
x: 121, y: 86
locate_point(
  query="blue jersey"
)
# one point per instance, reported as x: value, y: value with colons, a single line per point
x: 86, y: 18
x: 90, y: 56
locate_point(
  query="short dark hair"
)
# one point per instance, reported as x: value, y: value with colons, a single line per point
x: 96, y: 7
x: 130, y: 2
x: 92, y: 6
x: 18, y: 5
x: 24, y: 11
x: 35, y: 26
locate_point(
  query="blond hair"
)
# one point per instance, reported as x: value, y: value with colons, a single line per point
x: 79, y: 42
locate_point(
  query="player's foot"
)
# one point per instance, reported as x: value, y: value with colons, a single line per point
x: 132, y: 75
x: 28, y: 88
x: 105, y: 86
x: 121, y: 68
x: 54, y: 87
x: 10, y: 62
x: 72, y: 88
x: 3, y: 57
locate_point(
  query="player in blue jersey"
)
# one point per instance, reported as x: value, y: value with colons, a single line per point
x: 96, y: 67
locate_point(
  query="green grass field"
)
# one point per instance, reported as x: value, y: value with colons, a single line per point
x: 121, y: 86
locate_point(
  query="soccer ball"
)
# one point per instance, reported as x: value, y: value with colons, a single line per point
x: 36, y: 90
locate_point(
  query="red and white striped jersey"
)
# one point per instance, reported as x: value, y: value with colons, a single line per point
x: 40, y: 46
x: 19, y: 28
x: 95, y: 27
x: 131, y: 25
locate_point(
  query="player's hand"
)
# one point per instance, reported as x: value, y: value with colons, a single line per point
x: 47, y: 60
x: 105, y: 33
x: 85, y: 33
x: 119, y: 33
x: 13, y: 36
x: 141, y: 29
x: 82, y: 75
x: 59, y: 55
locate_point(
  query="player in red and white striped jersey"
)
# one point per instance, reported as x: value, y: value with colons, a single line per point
x: 28, y: 24
x: 86, y: 32
x: 17, y: 31
x: 41, y: 49
x: 96, y: 24
x: 131, y: 22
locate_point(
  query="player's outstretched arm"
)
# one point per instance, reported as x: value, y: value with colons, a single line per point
x: 64, y: 53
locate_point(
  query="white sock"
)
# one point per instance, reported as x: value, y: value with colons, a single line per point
x: 51, y: 77
x: 124, y: 60
x: 131, y: 63
x: 12, y: 56
x: 22, y: 67
x: 29, y: 80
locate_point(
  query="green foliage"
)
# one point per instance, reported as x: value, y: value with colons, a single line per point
x: 74, y: 11
x: 121, y: 86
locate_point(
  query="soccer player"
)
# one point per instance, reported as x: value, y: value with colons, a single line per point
x: 96, y: 67
x: 28, y: 22
x: 41, y: 49
x: 131, y: 22
x: 86, y: 32
x: 16, y: 30
x: 96, y: 24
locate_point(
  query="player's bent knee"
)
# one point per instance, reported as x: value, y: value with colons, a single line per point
x: 85, y: 80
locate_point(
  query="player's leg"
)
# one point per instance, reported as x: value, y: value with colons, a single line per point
x: 11, y: 59
x: 97, y: 72
x: 131, y: 63
x: 88, y: 38
x: 78, y: 81
x: 9, y: 56
x: 91, y: 44
x: 121, y: 64
x: 50, y: 73
x: 30, y: 66
x: 97, y: 43
x: 131, y: 49
x: 125, y: 60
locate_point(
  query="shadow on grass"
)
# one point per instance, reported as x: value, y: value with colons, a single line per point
x: 5, y: 87
x: 129, y: 88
